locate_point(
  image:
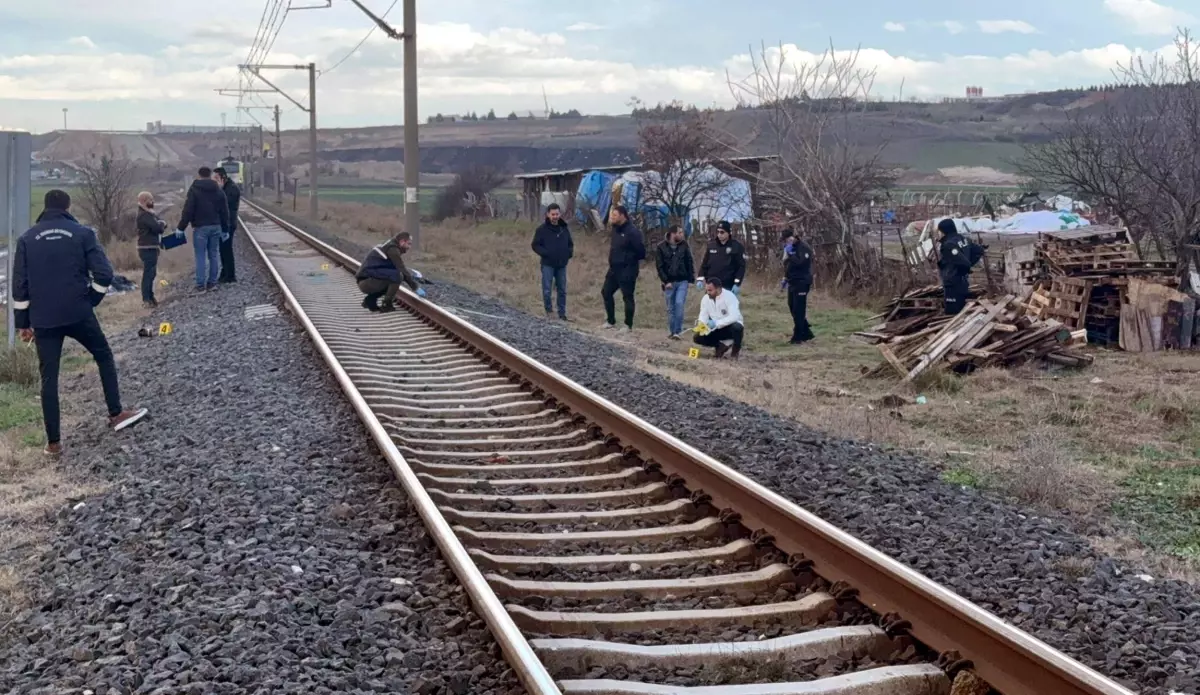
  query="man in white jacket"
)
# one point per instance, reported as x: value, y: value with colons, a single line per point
x: 722, y: 317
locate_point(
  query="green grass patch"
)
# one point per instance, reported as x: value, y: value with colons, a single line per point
x: 962, y: 476
x: 18, y: 407
x: 1163, y: 505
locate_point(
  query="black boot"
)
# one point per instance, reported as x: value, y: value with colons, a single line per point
x: 371, y: 301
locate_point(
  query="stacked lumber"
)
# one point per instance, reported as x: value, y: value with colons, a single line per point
x: 911, y: 312
x: 1079, y: 276
x: 986, y: 333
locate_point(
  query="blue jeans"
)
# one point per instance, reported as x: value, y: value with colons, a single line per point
x: 207, y: 241
x: 555, y: 276
x: 676, y: 295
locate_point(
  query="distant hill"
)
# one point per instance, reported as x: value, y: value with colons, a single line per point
x: 954, y: 143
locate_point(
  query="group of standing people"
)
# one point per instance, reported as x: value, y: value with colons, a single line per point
x: 211, y: 210
x: 722, y: 270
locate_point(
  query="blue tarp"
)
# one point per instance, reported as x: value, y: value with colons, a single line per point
x: 595, y: 193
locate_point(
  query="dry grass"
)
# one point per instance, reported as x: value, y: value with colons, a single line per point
x: 1057, y: 440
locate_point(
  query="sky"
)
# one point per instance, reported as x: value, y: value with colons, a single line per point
x: 118, y: 64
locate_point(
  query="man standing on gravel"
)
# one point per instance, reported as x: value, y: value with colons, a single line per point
x: 625, y: 254
x: 233, y: 196
x: 207, y: 211
x: 725, y: 259
x: 721, y: 318
x: 382, y: 271
x: 150, y: 231
x: 60, y: 274
x: 552, y: 243
x: 677, y: 272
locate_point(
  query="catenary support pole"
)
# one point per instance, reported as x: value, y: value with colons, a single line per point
x: 412, y: 153
x: 313, y: 174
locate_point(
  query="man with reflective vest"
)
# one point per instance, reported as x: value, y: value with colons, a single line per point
x: 382, y: 271
x: 60, y: 274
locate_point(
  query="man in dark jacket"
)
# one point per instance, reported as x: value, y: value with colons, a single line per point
x: 382, y: 271
x: 956, y: 256
x: 676, y: 272
x: 60, y: 273
x: 149, y: 230
x: 552, y: 243
x: 626, y: 252
x: 797, y: 279
x: 233, y: 196
x: 207, y: 211
x: 725, y: 258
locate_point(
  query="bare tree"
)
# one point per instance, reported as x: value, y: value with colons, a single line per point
x: 107, y: 197
x: 1138, y: 152
x: 683, y: 156
x: 813, y: 107
x: 469, y: 193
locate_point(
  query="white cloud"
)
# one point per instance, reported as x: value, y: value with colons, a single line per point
x: 893, y: 26
x: 1000, y: 26
x: 1148, y: 17
x: 584, y: 26
x: 952, y: 26
x: 462, y: 69
x: 82, y: 42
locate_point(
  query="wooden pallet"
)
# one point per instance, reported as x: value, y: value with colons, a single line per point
x: 1069, y: 299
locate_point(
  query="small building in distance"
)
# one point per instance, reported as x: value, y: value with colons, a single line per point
x: 539, y: 188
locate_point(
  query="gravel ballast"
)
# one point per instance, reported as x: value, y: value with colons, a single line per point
x: 252, y: 539
x: 1006, y: 559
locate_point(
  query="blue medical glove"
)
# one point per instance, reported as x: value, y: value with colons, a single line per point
x: 737, y: 290
x: 700, y: 284
x: 712, y: 325
x: 420, y: 291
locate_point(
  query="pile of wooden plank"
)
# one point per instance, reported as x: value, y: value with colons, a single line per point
x: 911, y: 312
x: 1079, y: 276
x: 986, y: 333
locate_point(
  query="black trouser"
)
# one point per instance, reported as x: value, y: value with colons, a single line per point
x: 49, y: 348
x: 956, y: 294
x: 797, y: 298
x: 624, y: 279
x: 227, y: 270
x: 733, y: 331
x: 149, y: 272
x: 375, y: 288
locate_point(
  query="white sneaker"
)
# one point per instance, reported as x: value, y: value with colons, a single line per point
x: 129, y: 418
x: 608, y: 327
x: 624, y: 329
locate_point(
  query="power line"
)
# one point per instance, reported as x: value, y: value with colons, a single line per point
x: 360, y: 43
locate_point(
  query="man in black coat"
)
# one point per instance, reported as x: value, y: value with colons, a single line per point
x: 725, y: 258
x: 60, y: 274
x: 233, y: 196
x: 797, y: 278
x: 207, y: 211
x: 626, y: 252
x: 552, y: 243
x: 676, y: 272
x: 150, y: 230
x: 956, y: 256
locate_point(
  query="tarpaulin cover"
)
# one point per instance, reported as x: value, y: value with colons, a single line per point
x: 595, y: 193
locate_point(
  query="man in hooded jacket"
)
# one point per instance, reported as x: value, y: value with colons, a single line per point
x: 626, y: 251
x: 956, y: 256
x: 553, y: 244
x: 207, y: 211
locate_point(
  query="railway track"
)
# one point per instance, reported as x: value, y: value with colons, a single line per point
x: 609, y: 558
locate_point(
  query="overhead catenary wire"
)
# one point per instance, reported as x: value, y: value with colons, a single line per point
x: 360, y: 43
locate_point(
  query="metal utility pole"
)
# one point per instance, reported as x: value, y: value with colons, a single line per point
x: 15, y: 183
x: 311, y: 109
x: 64, y: 118
x: 278, y: 161
x: 412, y: 151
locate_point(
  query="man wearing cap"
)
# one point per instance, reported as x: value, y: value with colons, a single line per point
x: 725, y: 258
x: 956, y: 256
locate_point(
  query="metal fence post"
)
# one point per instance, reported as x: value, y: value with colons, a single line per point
x: 16, y: 148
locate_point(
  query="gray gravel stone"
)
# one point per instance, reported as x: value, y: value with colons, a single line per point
x: 250, y: 537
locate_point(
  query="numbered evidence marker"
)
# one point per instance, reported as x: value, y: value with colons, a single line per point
x: 164, y: 283
x: 164, y: 329
x: 324, y: 266
x: 693, y: 353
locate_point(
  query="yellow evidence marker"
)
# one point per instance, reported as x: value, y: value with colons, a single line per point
x: 693, y: 353
x: 324, y: 266
x: 164, y: 329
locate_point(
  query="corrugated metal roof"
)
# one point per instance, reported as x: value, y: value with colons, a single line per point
x: 627, y: 167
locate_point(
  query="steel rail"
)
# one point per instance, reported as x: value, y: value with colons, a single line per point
x: 1011, y: 660
x: 520, y: 655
